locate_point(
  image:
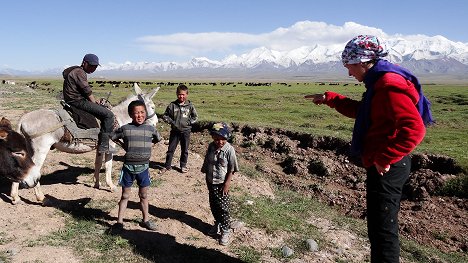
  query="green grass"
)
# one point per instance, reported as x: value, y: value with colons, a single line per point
x: 284, y: 107
x: 248, y: 254
x: 457, y: 186
x: 280, y: 106
x: 288, y: 212
x: 90, y: 241
x: 414, y: 252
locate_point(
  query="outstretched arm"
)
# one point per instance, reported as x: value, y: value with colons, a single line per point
x: 344, y: 105
x: 316, y: 98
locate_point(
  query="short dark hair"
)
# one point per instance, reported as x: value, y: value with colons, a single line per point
x: 182, y: 87
x: 134, y: 104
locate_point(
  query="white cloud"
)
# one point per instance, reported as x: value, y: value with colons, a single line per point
x: 182, y: 44
x: 303, y: 33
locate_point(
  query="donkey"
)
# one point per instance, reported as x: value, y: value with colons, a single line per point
x: 44, y: 130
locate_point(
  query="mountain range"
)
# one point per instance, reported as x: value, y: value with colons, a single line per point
x: 433, y: 58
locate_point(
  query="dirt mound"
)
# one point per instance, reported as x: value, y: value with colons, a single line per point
x: 320, y: 166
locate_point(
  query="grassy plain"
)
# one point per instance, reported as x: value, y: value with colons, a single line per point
x: 283, y: 106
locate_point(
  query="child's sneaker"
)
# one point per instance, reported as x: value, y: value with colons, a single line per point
x: 184, y: 170
x: 150, y: 225
x: 225, y: 237
x: 214, y: 230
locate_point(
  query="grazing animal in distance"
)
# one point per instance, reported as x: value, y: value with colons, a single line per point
x: 44, y: 129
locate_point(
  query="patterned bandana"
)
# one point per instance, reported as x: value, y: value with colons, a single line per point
x: 363, y: 48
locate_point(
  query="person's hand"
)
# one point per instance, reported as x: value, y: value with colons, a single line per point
x: 167, y: 119
x: 226, y: 188
x: 316, y: 98
x: 381, y: 169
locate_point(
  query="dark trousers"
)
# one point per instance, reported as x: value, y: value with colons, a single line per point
x: 103, y: 114
x: 383, y: 204
x: 174, y: 138
x: 219, y: 205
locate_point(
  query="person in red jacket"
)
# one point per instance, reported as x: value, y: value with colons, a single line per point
x: 390, y: 123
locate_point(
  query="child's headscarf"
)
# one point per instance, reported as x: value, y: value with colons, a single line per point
x: 363, y: 48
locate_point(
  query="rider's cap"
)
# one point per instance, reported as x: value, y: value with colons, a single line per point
x: 92, y: 59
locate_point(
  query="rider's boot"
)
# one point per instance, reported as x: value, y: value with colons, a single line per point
x: 103, y: 143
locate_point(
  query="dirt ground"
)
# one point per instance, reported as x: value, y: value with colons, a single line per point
x: 314, y: 166
x: 320, y: 167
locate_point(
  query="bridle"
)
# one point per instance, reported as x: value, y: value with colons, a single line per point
x: 148, y: 116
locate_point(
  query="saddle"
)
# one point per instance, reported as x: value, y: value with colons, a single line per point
x: 80, y: 126
x: 83, y: 119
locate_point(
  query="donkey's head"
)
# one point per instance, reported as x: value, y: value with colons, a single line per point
x: 151, y: 117
x: 15, y: 157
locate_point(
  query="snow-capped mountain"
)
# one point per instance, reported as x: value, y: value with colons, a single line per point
x: 421, y: 54
x: 430, y: 50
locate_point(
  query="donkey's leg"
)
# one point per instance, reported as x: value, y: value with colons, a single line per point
x: 38, y: 191
x: 108, y: 165
x: 15, y: 199
x: 97, y: 168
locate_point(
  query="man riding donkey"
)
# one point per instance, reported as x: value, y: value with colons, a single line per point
x: 78, y: 93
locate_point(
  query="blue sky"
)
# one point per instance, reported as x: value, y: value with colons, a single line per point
x: 50, y: 33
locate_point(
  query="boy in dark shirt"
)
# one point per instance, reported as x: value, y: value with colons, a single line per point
x: 181, y: 114
x: 78, y: 93
x: 137, y: 141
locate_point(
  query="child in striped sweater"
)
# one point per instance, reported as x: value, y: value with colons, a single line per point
x: 138, y: 138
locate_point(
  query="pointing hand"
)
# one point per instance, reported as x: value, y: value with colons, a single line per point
x: 316, y: 98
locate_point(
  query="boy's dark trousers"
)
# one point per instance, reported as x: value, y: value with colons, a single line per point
x: 219, y: 205
x: 383, y: 203
x: 174, y: 138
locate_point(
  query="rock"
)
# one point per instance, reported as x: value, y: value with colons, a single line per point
x: 312, y: 245
x: 237, y: 224
x: 287, y: 251
x: 12, y: 251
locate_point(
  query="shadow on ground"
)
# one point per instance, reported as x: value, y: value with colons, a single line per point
x: 154, y: 246
x: 69, y: 175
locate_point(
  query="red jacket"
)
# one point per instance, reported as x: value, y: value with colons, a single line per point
x: 396, y: 125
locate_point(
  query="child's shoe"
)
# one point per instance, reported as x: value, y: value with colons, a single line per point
x: 215, y: 230
x: 225, y: 237
x: 150, y: 225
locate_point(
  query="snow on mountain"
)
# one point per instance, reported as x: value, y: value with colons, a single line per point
x: 423, y: 54
x: 413, y: 48
x: 430, y: 48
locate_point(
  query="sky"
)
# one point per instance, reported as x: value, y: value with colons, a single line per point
x: 40, y: 35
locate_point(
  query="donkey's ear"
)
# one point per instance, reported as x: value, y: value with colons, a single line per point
x: 5, y: 123
x: 3, y: 135
x: 152, y: 93
x: 137, y: 88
